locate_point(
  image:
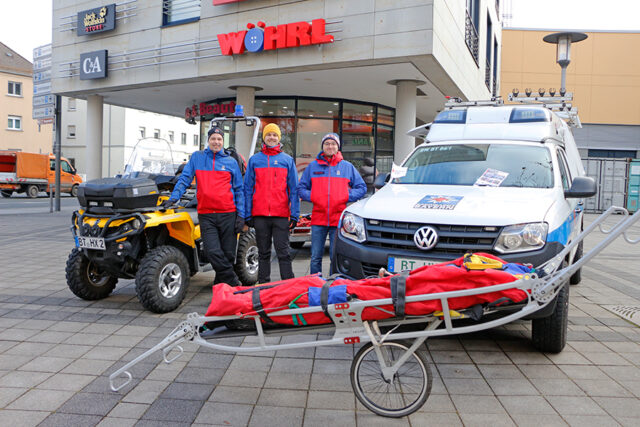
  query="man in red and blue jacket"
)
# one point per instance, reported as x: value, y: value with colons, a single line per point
x: 329, y: 182
x: 272, y: 204
x: 220, y: 203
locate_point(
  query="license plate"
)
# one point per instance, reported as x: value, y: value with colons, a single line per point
x: 91, y: 243
x: 397, y: 264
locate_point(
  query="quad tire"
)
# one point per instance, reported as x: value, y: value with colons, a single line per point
x: 577, y: 276
x: 162, y: 279
x: 85, y: 279
x: 549, y: 334
x: 246, y: 266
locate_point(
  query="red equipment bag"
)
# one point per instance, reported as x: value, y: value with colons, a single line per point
x: 294, y: 293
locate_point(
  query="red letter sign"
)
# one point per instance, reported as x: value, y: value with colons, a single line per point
x: 232, y: 43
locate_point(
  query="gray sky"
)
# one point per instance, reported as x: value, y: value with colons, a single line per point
x: 26, y: 24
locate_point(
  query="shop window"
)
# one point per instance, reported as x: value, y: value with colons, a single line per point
x: 156, y: 133
x: 15, y: 89
x: 15, y: 123
x: 612, y: 154
x: 363, y: 112
x: 71, y: 104
x: 183, y: 138
x: 386, y: 116
x: 170, y: 134
x: 320, y: 109
x: 384, y: 149
x: 275, y: 107
x: 357, y: 146
x: 180, y: 11
x: 71, y: 131
x: 142, y: 131
x: 196, y: 140
x: 309, y: 134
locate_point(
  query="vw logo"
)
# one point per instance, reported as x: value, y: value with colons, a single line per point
x: 425, y: 238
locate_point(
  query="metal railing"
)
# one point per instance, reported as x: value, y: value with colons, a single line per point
x: 471, y: 36
x: 487, y: 75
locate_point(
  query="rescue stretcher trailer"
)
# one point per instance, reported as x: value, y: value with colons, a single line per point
x: 389, y: 375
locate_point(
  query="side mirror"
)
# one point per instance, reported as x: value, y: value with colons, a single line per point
x: 381, y: 180
x: 582, y: 186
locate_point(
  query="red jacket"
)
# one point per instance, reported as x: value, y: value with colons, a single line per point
x: 329, y: 185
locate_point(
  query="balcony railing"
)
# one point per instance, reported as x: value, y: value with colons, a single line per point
x: 471, y: 37
x: 487, y: 75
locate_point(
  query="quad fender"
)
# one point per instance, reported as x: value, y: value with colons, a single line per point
x: 179, y: 225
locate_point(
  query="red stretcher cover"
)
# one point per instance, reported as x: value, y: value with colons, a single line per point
x: 293, y: 293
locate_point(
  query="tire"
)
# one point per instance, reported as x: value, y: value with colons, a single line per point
x: 549, y: 334
x: 162, y: 279
x: 246, y: 266
x: 85, y: 280
x: 411, y: 385
x: 577, y: 276
x: 33, y: 191
x: 74, y: 190
x: 297, y: 245
x: 6, y: 193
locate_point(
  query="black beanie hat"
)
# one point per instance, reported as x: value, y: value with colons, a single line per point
x: 215, y: 129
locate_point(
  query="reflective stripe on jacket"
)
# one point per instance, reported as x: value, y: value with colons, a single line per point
x: 270, y: 184
x: 330, y: 185
x: 218, y: 182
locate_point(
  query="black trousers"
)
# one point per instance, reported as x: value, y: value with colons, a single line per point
x: 219, y: 238
x: 274, y: 228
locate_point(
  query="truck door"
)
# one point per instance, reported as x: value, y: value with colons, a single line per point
x: 66, y: 174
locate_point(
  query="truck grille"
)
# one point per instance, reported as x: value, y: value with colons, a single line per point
x: 452, y: 239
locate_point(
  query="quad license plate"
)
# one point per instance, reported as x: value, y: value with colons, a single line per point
x: 91, y: 243
x: 397, y: 264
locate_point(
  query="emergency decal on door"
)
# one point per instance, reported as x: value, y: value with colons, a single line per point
x: 491, y: 178
x: 438, y: 202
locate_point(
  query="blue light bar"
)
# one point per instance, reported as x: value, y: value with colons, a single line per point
x: 451, y: 116
x: 529, y: 115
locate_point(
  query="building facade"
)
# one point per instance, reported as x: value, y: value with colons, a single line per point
x: 18, y: 131
x: 367, y: 69
x: 604, y: 76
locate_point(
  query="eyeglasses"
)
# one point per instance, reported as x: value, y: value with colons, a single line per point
x: 330, y: 143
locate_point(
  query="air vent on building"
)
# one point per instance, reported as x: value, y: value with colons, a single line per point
x: 629, y: 313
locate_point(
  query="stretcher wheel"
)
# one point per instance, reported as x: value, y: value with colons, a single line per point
x: 404, y: 394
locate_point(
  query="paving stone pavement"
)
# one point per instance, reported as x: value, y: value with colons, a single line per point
x: 56, y: 352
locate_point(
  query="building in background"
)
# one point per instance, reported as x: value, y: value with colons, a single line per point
x: 18, y: 131
x: 604, y: 76
x: 122, y: 129
x: 368, y: 70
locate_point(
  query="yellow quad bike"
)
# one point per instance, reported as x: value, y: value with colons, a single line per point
x: 121, y: 232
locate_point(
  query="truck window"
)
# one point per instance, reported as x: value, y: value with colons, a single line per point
x: 52, y: 164
x: 66, y: 167
x: 564, y: 170
x: 515, y: 165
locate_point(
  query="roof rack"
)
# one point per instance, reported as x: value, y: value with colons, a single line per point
x: 454, y: 102
x: 561, y: 105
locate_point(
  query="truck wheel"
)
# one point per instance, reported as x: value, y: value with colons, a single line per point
x: 33, y: 191
x: 6, y: 193
x: 162, y: 279
x: 297, y: 245
x: 74, y: 191
x: 549, y: 334
x: 577, y: 276
x: 85, y: 279
x: 246, y: 266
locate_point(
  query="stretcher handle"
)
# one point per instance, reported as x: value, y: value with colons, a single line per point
x: 118, y: 388
x: 167, y: 350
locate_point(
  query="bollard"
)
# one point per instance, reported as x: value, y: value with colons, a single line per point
x: 50, y: 198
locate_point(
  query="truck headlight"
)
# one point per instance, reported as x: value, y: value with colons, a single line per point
x: 353, y: 227
x: 522, y: 237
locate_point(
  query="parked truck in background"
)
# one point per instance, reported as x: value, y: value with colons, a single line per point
x: 32, y: 173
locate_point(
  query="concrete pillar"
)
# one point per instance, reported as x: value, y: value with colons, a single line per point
x: 405, y: 117
x: 94, y: 137
x: 245, y: 96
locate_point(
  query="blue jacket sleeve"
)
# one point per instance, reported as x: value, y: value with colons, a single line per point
x: 304, y: 186
x: 185, y: 178
x: 238, y: 188
x: 292, y: 184
x: 249, y: 187
x: 358, y: 186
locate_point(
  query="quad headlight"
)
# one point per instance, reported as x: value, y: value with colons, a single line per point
x: 522, y: 237
x: 353, y: 227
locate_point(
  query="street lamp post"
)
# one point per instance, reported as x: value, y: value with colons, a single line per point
x: 563, y: 52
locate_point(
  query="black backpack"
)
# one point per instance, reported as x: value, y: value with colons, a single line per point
x: 242, y: 164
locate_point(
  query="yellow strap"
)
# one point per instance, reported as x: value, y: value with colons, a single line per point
x: 477, y: 262
x: 454, y: 314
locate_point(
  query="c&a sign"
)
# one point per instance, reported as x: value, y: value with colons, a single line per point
x: 259, y: 38
x: 93, y: 65
x: 97, y: 20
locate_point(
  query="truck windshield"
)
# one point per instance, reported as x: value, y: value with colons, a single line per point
x: 495, y: 165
